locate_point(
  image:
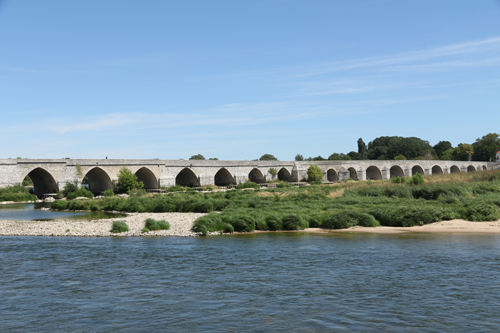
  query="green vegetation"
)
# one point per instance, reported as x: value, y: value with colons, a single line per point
x: 79, y: 193
x: 273, y: 171
x: 127, y: 181
x: 314, y: 173
x: 27, y: 181
x: 109, y: 193
x: 471, y: 196
x: 152, y: 224
x: 119, y: 226
x: 248, y: 184
x: 16, y: 193
x: 197, y: 157
x: 268, y: 157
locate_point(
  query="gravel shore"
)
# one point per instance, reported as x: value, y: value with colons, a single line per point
x: 180, y: 225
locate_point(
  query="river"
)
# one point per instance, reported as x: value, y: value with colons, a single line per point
x: 290, y: 282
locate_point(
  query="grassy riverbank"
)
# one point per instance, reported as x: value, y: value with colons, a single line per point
x: 16, y: 193
x: 472, y: 196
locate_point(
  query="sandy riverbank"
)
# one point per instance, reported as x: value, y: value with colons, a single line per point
x: 180, y: 225
x: 453, y: 226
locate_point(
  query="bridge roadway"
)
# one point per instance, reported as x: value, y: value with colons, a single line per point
x: 50, y: 175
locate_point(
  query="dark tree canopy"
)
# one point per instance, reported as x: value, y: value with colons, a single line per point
x: 339, y: 157
x: 362, y: 151
x: 317, y: 158
x: 268, y: 157
x: 354, y: 155
x: 388, y: 147
x: 299, y: 157
x: 441, y: 147
x: 486, y: 147
x: 197, y: 157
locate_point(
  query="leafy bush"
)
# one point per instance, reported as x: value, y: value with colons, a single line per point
x: 248, y: 185
x: 284, y: 185
x: 16, y: 193
x: 119, y: 226
x: 109, y: 193
x: 152, y: 224
x: 398, y: 180
x: 294, y: 222
x: 407, y: 216
x: 417, y: 179
x: 314, y: 173
x: 70, y: 188
x: 79, y: 193
x: 137, y: 192
x: 274, y: 222
x: 348, y: 219
x: 127, y: 181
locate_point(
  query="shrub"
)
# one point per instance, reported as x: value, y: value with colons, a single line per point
x: 417, y: 179
x: 176, y: 188
x: 284, y: 185
x: 348, y: 219
x: 272, y: 171
x: 127, y: 181
x: 248, y: 185
x: 79, y: 193
x: 152, y: 224
x: 69, y: 188
x: 294, y: 222
x: 274, y: 222
x: 109, y: 193
x: 314, y: 173
x: 119, y: 226
x: 407, y: 216
x: 398, y: 180
x: 137, y: 192
x: 242, y: 223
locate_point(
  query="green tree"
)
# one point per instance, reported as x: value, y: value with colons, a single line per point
x: 339, y: 157
x: 317, y: 158
x: 213, y: 159
x: 272, y: 171
x: 462, y: 152
x: 485, y: 148
x: 362, y: 151
x: 354, y: 156
x: 299, y: 157
x: 314, y: 173
x: 392, y: 146
x: 400, y: 157
x: 197, y: 157
x: 127, y: 181
x: 447, y: 155
x: 268, y: 157
x: 441, y: 147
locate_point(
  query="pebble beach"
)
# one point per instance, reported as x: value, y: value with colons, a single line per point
x: 180, y: 225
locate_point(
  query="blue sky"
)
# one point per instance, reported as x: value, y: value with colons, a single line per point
x: 238, y: 79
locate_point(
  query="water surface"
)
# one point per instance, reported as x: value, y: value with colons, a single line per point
x: 32, y: 212
x: 247, y: 283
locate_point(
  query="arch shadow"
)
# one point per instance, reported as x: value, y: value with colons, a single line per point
x: 332, y: 175
x: 256, y: 176
x: 471, y: 168
x: 484, y: 167
x: 454, y: 169
x: 437, y: 170
x: 223, y: 178
x: 417, y: 169
x: 373, y: 173
x: 43, y: 181
x: 284, y: 175
x: 352, y: 173
x: 148, y: 178
x: 187, y: 178
x: 98, y: 180
x: 396, y: 171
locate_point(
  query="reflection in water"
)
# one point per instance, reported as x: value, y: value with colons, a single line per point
x: 33, y: 211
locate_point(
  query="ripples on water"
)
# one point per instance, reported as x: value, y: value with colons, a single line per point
x: 263, y: 282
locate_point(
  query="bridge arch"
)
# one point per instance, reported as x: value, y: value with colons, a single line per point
x: 43, y: 181
x: 256, y: 176
x: 417, y: 169
x: 148, y: 178
x: 332, y: 175
x: 471, y: 168
x: 98, y: 180
x: 373, y: 173
x: 454, y: 169
x: 437, y: 170
x: 352, y: 173
x: 187, y: 178
x: 484, y: 167
x: 223, y: 178
x: 284, y: 175
x: 396, y: 171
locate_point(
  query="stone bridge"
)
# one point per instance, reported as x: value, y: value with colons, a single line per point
x: 50, y: 175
